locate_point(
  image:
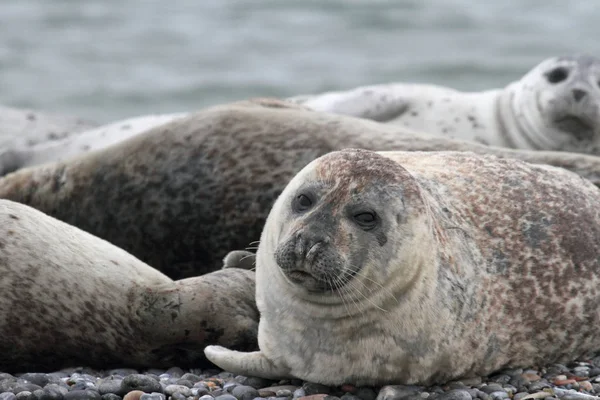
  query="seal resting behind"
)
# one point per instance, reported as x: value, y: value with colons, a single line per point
x: 182, y: 195
x: 419, y: 268
x: 555, y: 106
x: 68, y: 298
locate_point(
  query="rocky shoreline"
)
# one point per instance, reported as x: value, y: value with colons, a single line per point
x: 574, y: 381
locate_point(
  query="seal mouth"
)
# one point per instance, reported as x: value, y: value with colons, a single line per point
x: 309, y: 281
x: 580, y: 128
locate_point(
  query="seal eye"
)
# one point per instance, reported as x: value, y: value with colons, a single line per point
x: 366, y: 220
x: 302, y: 203
x: 557, y: 75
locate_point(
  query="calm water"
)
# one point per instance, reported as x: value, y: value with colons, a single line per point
x: 110, y: 59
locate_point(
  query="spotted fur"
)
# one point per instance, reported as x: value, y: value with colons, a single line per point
x: 182, y: 195
x: 490, y: 263
x: 68, y: 298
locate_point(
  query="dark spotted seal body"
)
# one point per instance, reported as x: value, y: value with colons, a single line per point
x: 555, y: 106
x: 419, y: 268
x: 182, y: 195
x: 68, y: 298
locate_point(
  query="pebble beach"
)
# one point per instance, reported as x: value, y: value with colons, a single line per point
x: 575, y: 381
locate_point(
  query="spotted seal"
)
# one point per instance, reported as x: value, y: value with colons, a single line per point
x: 555, y: 106
x: 182, y: 195
x: 68, y: 298
x: 15, y: 154
x: 419, y: 268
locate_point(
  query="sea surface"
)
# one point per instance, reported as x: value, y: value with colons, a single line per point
x: 111, y: 59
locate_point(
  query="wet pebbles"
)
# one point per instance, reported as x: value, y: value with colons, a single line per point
x: 575, y: 381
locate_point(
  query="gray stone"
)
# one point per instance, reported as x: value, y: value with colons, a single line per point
x: 350, y: 396
x: 172, y: 389
x: 299, y: 393
x: 86, y: 394
x: 111, y: 384
x: 52, y: 391
x: 491, y: 388
x: 499, y: 395
x: 225, y: 397
x: 257, y: 383
x: 396, y: 392
x: 25, y: 387
x: 243, y: 392
x: 206, y: 397
x: 190, y: 377
x: 455, y: 395
x: 24, y: 395
x: 140, y: 382
x: 315, y: 388
x: 36, y: 378
x: 366, y: 393
x: 153, y: 396
x: 177, y: 396
x: 537, y: 386
x: 283, y: 393
x: 7, y: 395
x: 111, y: 396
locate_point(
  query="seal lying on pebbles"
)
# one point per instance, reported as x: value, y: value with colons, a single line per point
x: 68, y: 298
x: 403, y: 267
x: 182, y: 195
x: 15, y: 155
x: 555, y: 106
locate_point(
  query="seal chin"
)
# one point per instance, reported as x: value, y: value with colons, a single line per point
x: 582, y: 129
x: 308, y: 281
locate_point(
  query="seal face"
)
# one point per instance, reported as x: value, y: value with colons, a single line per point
x: 564, y: 93
x: 336, y: 220
x: 419, y: 268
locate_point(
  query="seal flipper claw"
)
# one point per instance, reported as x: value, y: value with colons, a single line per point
x: 249, y: 364
x: 240, y: 259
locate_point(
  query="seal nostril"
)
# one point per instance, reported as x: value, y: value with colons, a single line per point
x: 579, y: 94
x: 557, y: 75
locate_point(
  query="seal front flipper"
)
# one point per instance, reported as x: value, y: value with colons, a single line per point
x: 249, y: 364
x: 380, y: 103
x: 240, y: 259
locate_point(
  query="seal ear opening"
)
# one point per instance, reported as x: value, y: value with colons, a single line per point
x: 249, y: 364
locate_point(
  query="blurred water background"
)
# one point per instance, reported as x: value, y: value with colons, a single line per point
x: 111, y: 59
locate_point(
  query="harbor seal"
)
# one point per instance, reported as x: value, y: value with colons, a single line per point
x: 555, y: 106
x: 68, y: 298
x: 181, y: 196
x: 420, y: 268
x: 15, y: 154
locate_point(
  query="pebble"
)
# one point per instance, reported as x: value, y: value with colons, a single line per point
x: 206, y: 397
x: 321, y: 396
x: 7, y: 395
x: 225, y: 397
x: 366, y: 393
x: 243, y: 392
x: 499, y: 395
x: 298, y: 393
x: 111, y: 384
x: 111, y: 396
x: 283, y: 393
x: 52, y: 391
x: 140, y: 382
x: 35, y: 378
x: 396, y: 392
x: 315, y: 388
x: 24, y: 395
x: 172, y: 389
x: 458, y: 394
x: 85, y: 394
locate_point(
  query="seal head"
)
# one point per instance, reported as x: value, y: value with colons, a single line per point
x: 556, y: 106
x: 338, y: 218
